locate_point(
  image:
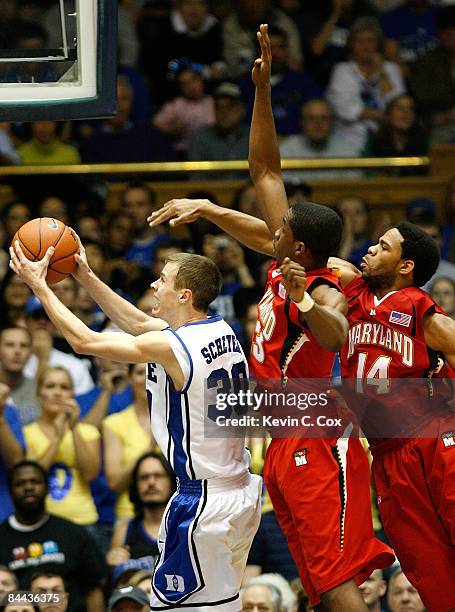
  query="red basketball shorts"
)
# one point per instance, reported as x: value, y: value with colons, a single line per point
x: 415, y: 484
x: 321, y: 495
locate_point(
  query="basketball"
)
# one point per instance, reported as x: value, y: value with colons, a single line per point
x: 36, y: 236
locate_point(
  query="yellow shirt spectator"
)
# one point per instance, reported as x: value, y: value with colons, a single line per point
x: 69, y: 495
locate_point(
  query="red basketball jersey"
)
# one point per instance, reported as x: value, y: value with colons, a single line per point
x: 386, y: 341
x: 282, y: 347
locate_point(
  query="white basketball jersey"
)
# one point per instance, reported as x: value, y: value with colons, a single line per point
x: 206, y: 349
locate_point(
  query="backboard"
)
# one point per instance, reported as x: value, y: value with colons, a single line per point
x: 70, y: 74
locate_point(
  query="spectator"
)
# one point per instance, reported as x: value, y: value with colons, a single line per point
x: 246, y: 309
x: 147, y: 302
x: 89, y: 226
x: 239, y: 35
x: 15, y: 214
x: 120, y: 229
x: 187, y: 112
x: 14, y: 296
x: 266, y: 598
x: 245, y: 200
x: 410, y: 31
x: 8, y: 154
x: 32, y: 36
x: 227, y: 138
x: 432, y: 227
x: 152, y: 485
x: 53, y: 206
x: 399, y: 135
x: 360, y: 89
x: 126, y: 437
x: 46, y: 147
x: 44, y: 354
x: 325, y: 29
x: 32, y: 539
x: 119, y: 140
x: 53, y: 584
x: 432, y: 84
x: 298, y: 191
x: 318, y: 139
x: 112, y: 394
x: 290, y: 88
x: 189, y: 32
x: 288, y: 597
x: 162, y: 252
x: 372, y: 590
x: 11, y: 448
x: 230, y: 259
x: 8, y: 581
x: 402, y: 595
x: 88, y: 310
x: 356, y: 240
x: 442, y: 290
x: 15, y: 350
x: 136, y: 598
x: 139, y: 201
x: 69, y: 450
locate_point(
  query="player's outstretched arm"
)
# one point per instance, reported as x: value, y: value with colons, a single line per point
x: 264, y: 153
x: 323, y: 311
x: 248, y: 230
x: 439, y: 332
x: 149, y: 347
x: 126, y: 316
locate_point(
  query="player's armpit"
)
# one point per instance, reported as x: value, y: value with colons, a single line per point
x: 439, y: 332
x: 151, y: 347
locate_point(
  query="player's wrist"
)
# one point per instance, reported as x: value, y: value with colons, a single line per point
x: 306, y: 303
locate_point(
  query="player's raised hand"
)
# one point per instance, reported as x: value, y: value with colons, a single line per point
x: 262, y: 66
x: 82, y: 269
x: 294, y: 279
x: 177, y: 212
x: 33, y: 273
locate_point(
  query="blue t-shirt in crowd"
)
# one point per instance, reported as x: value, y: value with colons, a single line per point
x: 416, y: 33
x: 143, y: 253
x: 289, y: 93
x: 118, y: 401
x: 6, y: 505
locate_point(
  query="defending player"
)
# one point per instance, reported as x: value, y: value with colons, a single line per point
x: 210, y: 522
x: 323, y: 506
x: 414, y: 478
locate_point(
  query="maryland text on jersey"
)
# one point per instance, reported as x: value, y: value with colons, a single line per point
x: 379, y: 335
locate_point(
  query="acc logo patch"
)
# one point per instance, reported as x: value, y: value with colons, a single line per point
x: 300, y: 457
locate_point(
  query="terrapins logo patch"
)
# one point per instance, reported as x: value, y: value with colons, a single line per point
x: 448, y: 438
x: 301, y: 457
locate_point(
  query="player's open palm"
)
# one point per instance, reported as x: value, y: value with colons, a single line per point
x: 294, y: 279
x: 261, y: 68
x: 177, y: 211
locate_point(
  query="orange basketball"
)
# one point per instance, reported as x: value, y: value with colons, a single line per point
x: 38, y: 235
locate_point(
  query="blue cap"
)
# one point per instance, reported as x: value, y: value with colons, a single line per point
x: 146, y: 563
x: 33, y: 305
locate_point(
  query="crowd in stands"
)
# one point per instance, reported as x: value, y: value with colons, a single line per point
x: 349, y: 78
x: 83, y: 486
